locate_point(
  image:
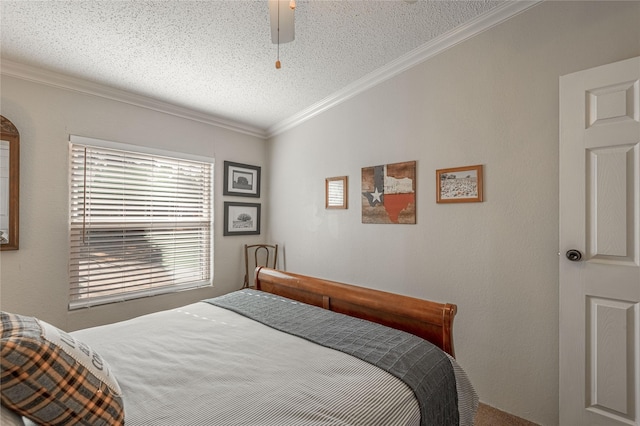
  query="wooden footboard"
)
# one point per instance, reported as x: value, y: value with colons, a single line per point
x: 430, y: 320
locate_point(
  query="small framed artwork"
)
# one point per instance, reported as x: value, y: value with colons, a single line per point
x: 241, y: 218
x: 241, y: 179
x: 459, y: 185
x: 335, y: 192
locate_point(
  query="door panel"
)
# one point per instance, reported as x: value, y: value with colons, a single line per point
x: 612, y: 202
x: 612, y: 350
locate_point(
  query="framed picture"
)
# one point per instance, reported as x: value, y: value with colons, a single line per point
x: 459, y: 185
x: 241, y: 179
x: 389, y: 193
x: 335, y: 192
x: 241, y: 218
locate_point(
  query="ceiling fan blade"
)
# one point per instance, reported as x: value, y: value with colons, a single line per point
x: 285, y: 20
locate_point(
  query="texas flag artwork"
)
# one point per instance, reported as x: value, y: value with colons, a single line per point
x: 389, y: 193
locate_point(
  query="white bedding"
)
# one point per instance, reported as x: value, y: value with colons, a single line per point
x: 204, y: 365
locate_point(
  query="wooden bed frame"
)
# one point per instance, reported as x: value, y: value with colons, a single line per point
x: 430, y: 320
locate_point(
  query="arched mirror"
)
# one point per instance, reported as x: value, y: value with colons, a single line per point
x: 9, y: 184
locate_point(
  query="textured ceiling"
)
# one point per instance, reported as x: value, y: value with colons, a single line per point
x: 216, y: 57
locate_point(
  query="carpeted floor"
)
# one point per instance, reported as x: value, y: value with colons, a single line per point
x: 489, y: 416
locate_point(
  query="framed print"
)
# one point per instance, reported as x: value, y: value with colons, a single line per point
x: 335, y: 192
x: 389, y: 193
x: 459, y: 185
x: 241, y: 179
x: 241, y: 218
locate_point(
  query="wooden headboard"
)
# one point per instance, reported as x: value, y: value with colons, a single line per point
x: 430, y: 320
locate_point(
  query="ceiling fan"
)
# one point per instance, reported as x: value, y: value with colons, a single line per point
x: 281, y: 17
x: 282, y: 20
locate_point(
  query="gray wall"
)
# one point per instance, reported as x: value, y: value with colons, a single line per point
x: 492, y: 100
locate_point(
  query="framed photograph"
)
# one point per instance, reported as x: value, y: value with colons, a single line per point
x: 241, y: 179
x: 241, y: 218
x: 459, y: 185
x: 335, y: 192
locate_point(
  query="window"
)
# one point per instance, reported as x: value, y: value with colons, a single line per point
x: 140, y: 223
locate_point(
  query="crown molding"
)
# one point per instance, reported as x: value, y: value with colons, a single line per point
x: 428, y: 50
x: 50, y: 78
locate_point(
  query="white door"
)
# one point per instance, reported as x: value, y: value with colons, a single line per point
x: 600, y: 246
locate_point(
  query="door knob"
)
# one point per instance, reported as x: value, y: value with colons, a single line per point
x: 574, y: 255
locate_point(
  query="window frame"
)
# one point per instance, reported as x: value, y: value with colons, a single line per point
x: 77, y: 303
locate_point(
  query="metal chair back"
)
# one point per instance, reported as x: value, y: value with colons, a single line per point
x: 258, y: 255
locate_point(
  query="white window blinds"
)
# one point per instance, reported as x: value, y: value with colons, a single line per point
x: 140, y: 224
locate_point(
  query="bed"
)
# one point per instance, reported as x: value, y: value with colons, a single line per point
x: 290, y: 350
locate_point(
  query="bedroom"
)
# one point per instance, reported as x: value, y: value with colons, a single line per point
x: 490, y: 100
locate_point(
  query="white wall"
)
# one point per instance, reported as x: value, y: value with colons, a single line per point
x: 492, y: 100
x: 33, y: 280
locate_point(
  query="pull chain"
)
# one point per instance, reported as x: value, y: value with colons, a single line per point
x: 278, y: 57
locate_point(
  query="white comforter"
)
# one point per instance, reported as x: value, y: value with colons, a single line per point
x: 204, y: 365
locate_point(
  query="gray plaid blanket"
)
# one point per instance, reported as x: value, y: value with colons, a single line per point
x: 421, y: 365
